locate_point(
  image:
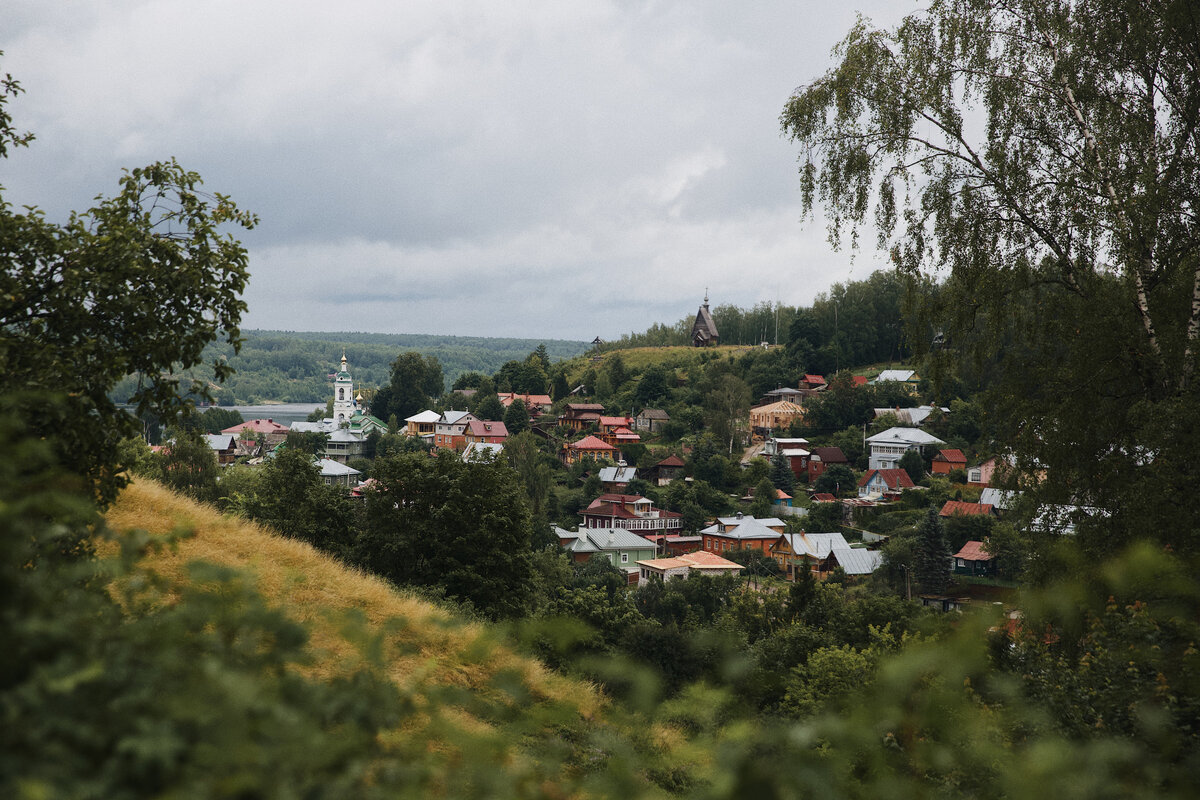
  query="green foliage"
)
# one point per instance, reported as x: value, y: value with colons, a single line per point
x: 824, y: 518
x: 516, y: 418
x: 489, y: 408
x: 781, y: 474
x: 290, y: 497
x: 81, y: 305
x: 312, y: 443
x: 837, y: 480
x: 1062, y: 220
x: 912, y: 463
x: 188, y: 465
x: 830, y: 677
x: 414, y: 384
x: 757, y: 563
x: 524, y: 454
x: 213, y: 420
x: 462, y: 527
x: 932, y: 568
x: 764, y: 495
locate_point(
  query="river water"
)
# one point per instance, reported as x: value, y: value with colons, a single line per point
x: 283, y: 413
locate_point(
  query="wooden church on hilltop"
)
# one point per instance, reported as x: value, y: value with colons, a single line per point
x: 704, y: 330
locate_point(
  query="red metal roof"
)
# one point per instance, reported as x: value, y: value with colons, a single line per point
x: 814, y: 378
x: 973, y: 551
x: 953, y: 456
x: 671, y: 461
x: 953, y: 507
x: 481, y: 427
x: 894, y: 478
x: 860, y: 380
x: 823, y: 497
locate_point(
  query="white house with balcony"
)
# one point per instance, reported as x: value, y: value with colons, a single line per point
x: 887, y: 447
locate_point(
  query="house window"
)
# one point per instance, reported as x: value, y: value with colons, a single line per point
x: 624, y: 558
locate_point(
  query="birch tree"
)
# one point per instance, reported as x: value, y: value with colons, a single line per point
x: 1042, y: 160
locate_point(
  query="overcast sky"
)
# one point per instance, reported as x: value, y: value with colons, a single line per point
x: 530, y: 169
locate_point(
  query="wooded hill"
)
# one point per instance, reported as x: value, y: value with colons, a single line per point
x: 293, y: 366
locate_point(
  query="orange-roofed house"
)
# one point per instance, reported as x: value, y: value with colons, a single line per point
x: 590, y: 447
x: 946, y: 461
x: 537, y: 404
x: 972, y: 559
x: 699, y: 562
x: 957, y: 508
x: 860, y: 380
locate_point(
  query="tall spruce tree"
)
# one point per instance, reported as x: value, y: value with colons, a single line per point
x: 933, y: 554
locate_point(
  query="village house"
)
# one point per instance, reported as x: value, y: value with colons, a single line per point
x: 589, y: 447
x: 741, y: 533
x: 537, y: 404
x: 972, y: 559
x: 883, y: 484
x: 335, y: 473
x: 793, y: 450
x: 959, y: 508
x: 448, y: 433
x: 946, y: 461
x: 666, y: 470
x: 822, y: 458
x: 482, y: 451
x: 343, y: 444
x: 678, y: 566
x: 985, y: 473
x: 615, y: 431
x: 422, y: 424
x: 483, y: 431
x: 889, y: 446
x: 820, y: 554
x: 631, y: 512
x: 267, y: 431
x: 223, y: 445
x: 812, y: 383
x: 622, y: 548
x: 614, y: 479
x: 782, y: 393
x: 765, y: 420
x: 579, y: 416
x: 911, y: 417
x: 651, y: 420
x: 907, y: 377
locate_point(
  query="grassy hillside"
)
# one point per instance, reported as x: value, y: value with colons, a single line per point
x: 317, y: 590
x: 474, y: 699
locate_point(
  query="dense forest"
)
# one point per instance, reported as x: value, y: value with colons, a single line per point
x: 293, y: 367
x: 857, y: 322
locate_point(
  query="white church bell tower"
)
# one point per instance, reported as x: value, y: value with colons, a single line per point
x: 343, y: 395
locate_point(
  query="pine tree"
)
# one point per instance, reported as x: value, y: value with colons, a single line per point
x: 933, y: 554
x: 781, y: 474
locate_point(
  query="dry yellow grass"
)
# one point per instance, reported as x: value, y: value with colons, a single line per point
x: 423, y: 643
